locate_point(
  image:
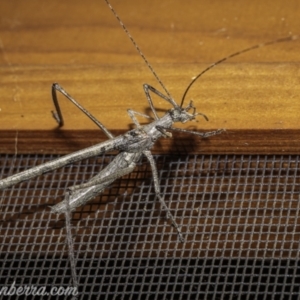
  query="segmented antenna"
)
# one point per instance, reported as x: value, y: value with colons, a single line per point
x: 138, y: 49
x: 289, y: 38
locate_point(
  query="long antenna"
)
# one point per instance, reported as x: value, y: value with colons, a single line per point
x: 138, y: 49
x: 289, y: 38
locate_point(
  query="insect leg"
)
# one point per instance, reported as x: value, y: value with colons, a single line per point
x: 70, y: 243
x: 58, y: 115
x: 202, y: 134
x: 132, y: 114
x: 148, y: 88
x: 157, y: 191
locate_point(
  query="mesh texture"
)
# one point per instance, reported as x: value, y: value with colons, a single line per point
x: 238, y: 215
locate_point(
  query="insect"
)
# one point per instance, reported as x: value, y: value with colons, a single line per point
x: 131, y: 146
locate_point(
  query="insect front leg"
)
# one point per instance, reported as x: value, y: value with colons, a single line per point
x: 147, y: 89
x: 157, y: 192
x: 58, y: 114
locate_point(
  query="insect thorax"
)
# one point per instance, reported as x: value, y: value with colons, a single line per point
x: 135, y: 140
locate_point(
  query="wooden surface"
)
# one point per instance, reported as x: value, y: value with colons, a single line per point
x: 254, y: 96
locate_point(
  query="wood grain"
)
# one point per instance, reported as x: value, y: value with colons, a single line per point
x: 254, y: 96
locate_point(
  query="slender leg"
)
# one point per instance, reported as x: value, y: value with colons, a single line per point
x: 70, y: 242
x: 58, y: 115
x: 157, y: 192
x: 148, y: 88
x: 202, y: 134
x: 132, y: 114
x: 164, y: 132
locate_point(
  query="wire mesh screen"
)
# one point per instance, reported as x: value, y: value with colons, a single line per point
x: 238, y: 216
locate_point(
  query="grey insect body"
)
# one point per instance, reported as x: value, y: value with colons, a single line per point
x: 131, y: 146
